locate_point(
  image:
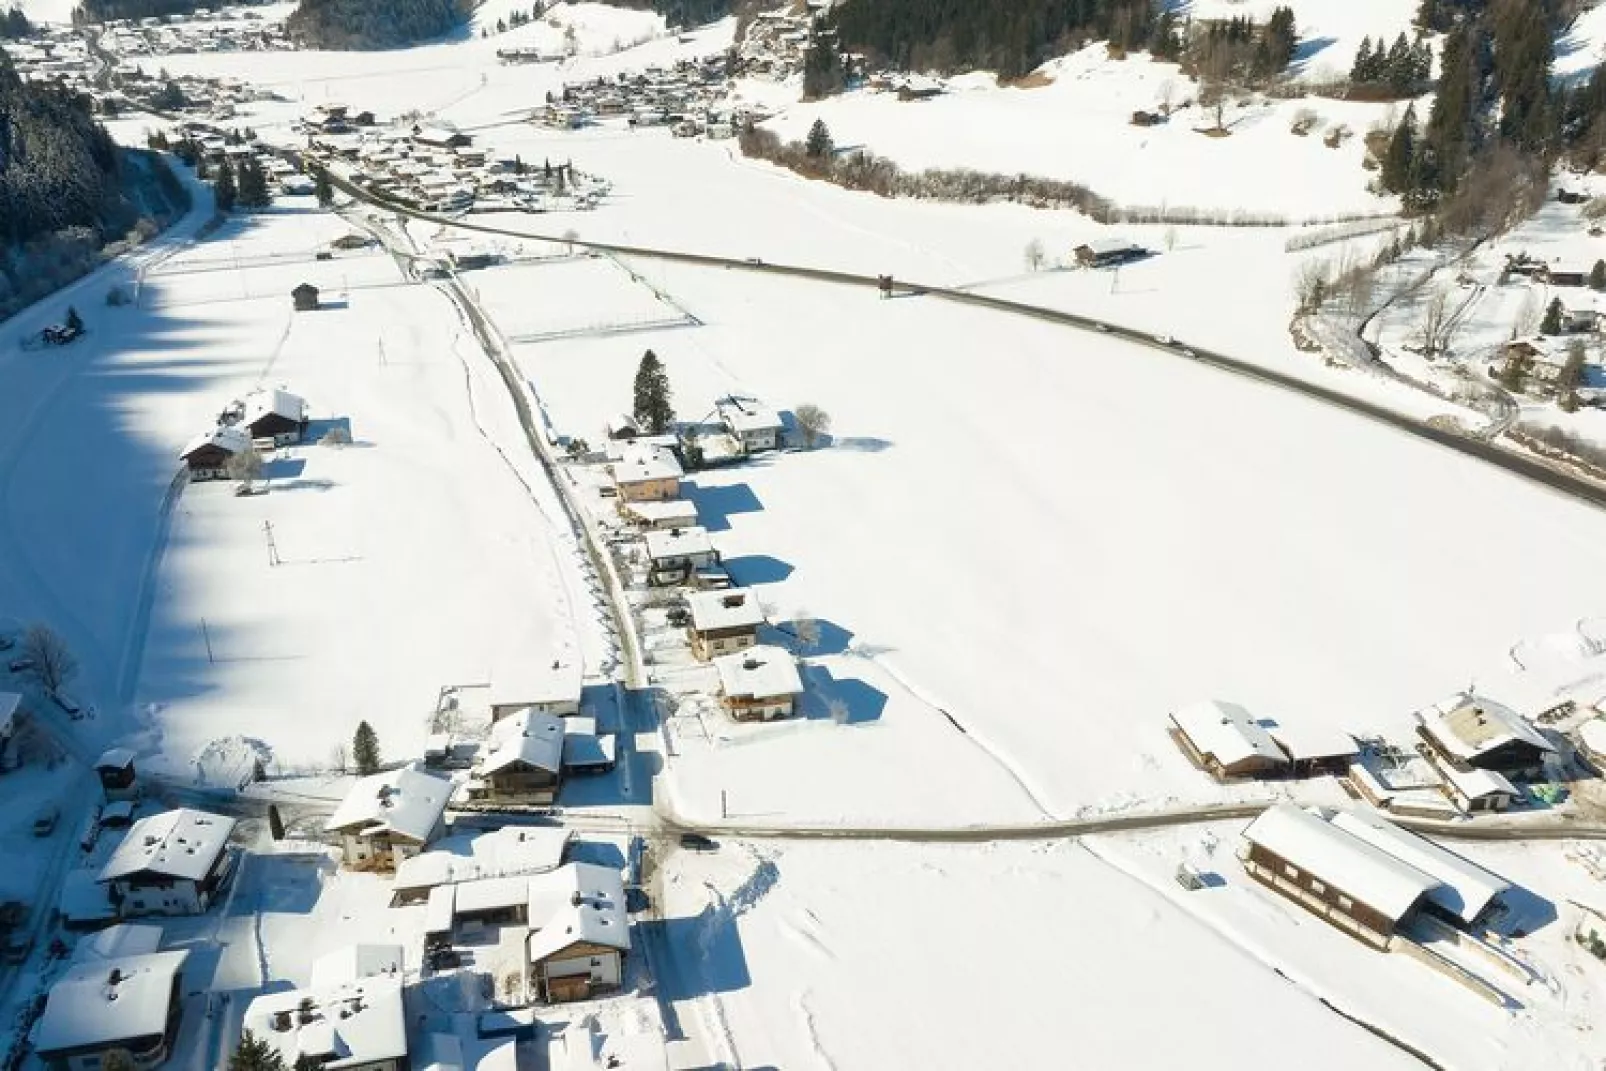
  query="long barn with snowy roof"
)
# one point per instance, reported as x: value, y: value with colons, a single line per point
x: 1363, y: 874
x: 1225, y: 740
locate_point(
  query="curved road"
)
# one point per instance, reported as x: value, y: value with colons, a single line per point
x: 1523, y: 465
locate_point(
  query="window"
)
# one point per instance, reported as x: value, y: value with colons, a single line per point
x: 595, y: 962
x: 1345, y: 902
x: 1317, y: 887
x: 1291, y: 870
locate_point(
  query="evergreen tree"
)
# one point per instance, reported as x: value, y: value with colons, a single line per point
x: 253, y: 184
x: 224, y: 191
x: 1597, y: 276
x: 823, y: 73
x: 322, y: 188
x: 653, y: 409
x: 1361, y: 69
x: 1551, y: 324
x: 74, y: 322
x: 255, y: 1054
x: 1399, y: 162
x: 364, y: 24
x: 365, y: 749
x: 819, y: 144
x: 1450, y: 122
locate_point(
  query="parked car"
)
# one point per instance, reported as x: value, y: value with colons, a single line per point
x: 696, y: 842
x: 67, y: 704
x: 44, y: 822
x: 22, y: 665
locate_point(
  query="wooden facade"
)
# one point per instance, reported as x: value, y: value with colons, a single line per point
x: 523, y: 782
x: 759, y: 708
x: 577, y: 972
x: 707, y: 644
x: 1320, y: 898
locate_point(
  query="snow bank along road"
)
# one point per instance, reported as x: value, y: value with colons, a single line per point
x: 1524, y: 465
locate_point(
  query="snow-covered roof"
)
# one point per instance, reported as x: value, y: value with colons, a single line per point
x: 273, y: 402
x: 527, y: 737
x: 577, y: 902
x: 1476, y: 783
x: 117, y: 758
x: 742, y: 414
x: 583, y: 747
x: 178, y: 844
x: 1307, y: 740
x: 1464, y: 888
x: 1469, y: 726
x: 639, y: 462
x: 354, y: 962
x: 491, y: 894
x: 1227, y: 732
x: 227, y: 437
x: 673, y: 511
x: 505, y: 852
x: 100, y: 1002
x: 535, y: 681
x: 405, y: 801
x: 351, y: 1025
x: 1106, y: 246
x: 759, y: 672
x: 465, y: 1052
x: 84, y: 900
x: 118, y: 942
x: 1367, y: 873
x: 733, y: 608
x: 678, y: 543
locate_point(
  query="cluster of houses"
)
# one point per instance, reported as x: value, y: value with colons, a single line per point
x: 689, y: 97
x: 757, y: 682
x: 214, y: 146
x: 1540, y: 363
x: 265, y: 419
x: 230, y: 29
x: 440, y: 169
x: 53, y: 54
x: 1471, y: 754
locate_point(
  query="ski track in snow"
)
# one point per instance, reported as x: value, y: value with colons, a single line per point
x: 805, y: 1015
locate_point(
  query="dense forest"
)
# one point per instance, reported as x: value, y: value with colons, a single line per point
x: 1010, y: 38
x: 371, y: 24
x: 68, y: 196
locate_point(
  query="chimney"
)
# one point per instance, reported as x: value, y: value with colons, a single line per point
x: 575, y: 899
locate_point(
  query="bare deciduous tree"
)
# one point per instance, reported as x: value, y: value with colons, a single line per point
x: 813, y: 422
x: 1360, y: 285
x: 1170, y: 239
x: 53, y: 662
x: 806, y: 631
x: 245, y: 466
x: 338, y: 759
x: 839, y: 711
x: 1035, y: 255
x: 1311, y: 285
x: 1434, y: 325
x: 1529, y: 315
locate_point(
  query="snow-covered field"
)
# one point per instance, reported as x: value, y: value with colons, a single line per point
x: 1078, y: 128
x: 1329, y: 30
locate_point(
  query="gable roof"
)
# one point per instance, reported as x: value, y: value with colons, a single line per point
x: 678, y: 542
x: 528, y: 737
x: 117, y: 758
x: 639, y: 462
x: 1464, y: 888
x: 535, y: 681
x: 101, y: 1002
x: 1371, y: 875
x: 404, y: 801
x: 178, y: 844
x: 732, y: 608
x: 1468, y: 726
x: 760, y: 672
x: 350, y: 1025
x: 226, y: 437
x: 577, y: 902
x: 260, y: 404
x: 505, y: 852
x: 1227, y: 732
x: 742, y: 414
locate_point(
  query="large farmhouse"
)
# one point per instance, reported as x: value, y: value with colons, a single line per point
x: 173, y: 863
x: 275, y: 414
x: 207, y: 456
x: 1226, y: 741
x: 1472, y: 732
x: 389, y: 816
x: 524, y: 758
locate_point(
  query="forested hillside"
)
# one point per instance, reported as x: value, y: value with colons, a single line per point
x: 371, y: 24
x: 1010, y: 38
x: 66, y: 198
x: 106, y: 10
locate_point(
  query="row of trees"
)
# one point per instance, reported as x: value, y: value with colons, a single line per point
x: 14, y: 24
x: 243, y: 186
x: 1402, y: 67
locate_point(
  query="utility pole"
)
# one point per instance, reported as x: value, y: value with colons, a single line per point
x: 273, y: 549
x: 207, y: 636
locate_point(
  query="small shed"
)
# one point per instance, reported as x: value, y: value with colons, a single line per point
x: 115, y: 769
x: 305, y: 297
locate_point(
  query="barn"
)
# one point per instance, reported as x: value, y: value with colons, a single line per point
x: 1225, y: 740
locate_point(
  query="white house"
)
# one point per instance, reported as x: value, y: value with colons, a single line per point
x: 581, y: 932
x: 755, y: 425
x: 173, y: 863
x: 544, y: 687
x: 99, y: 1006
x: 675, y: 555
x: 759, y: 684
x: 388, y: 817
x: 350, y: 1019
x: 511, y: 851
